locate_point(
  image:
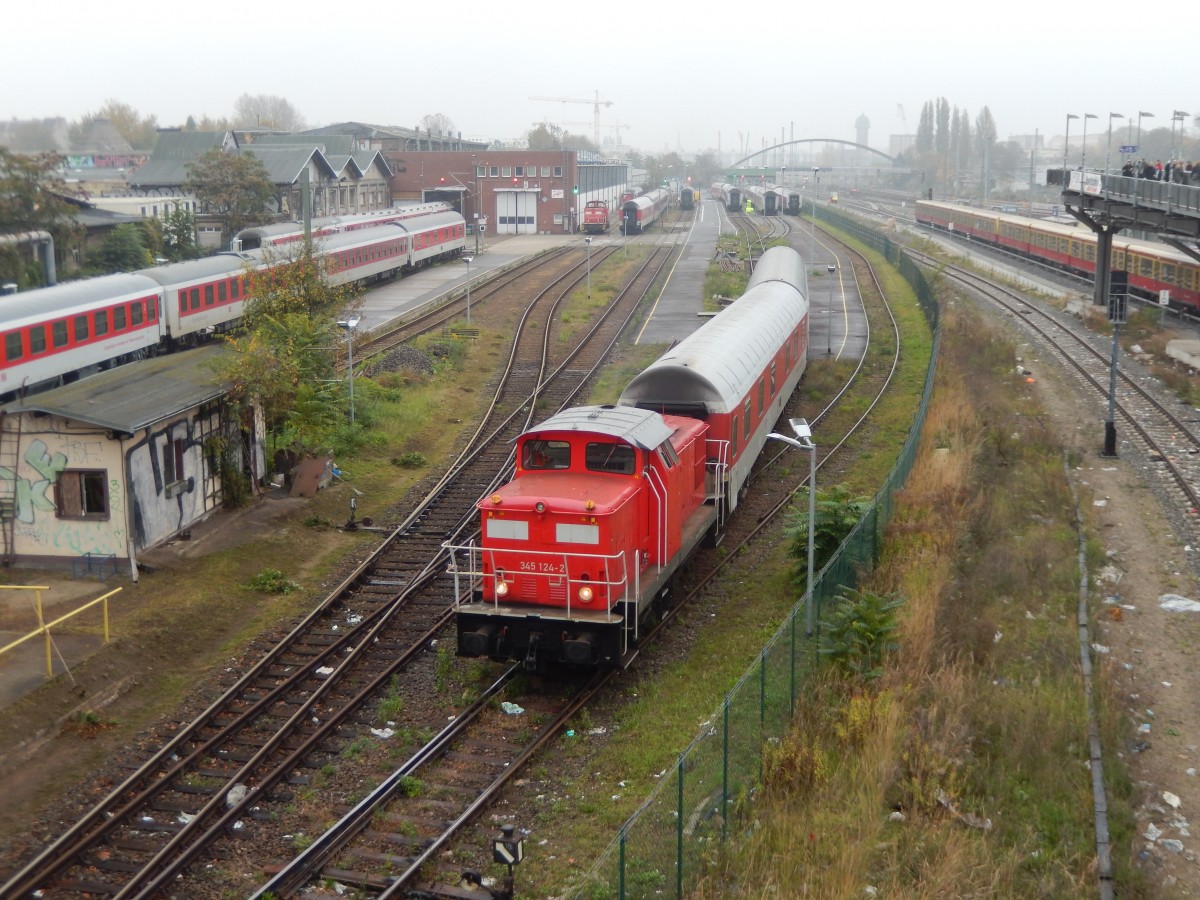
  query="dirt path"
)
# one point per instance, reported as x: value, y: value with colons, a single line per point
x: 1146, y: 653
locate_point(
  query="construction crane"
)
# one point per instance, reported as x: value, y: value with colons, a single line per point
x: 596, y: 104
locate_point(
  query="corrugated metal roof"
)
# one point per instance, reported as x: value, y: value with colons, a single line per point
x: 135, y: 396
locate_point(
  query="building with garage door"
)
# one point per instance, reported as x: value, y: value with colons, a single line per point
x: 510, y: 191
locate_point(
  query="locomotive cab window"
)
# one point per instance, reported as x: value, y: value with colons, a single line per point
x: 546, y: 455
x: 618, y: 459
x: 81, y: 494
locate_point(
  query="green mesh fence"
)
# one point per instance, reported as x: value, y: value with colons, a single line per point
x: 663, y: 848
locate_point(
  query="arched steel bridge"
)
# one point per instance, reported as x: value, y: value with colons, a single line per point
x: 778, y: 147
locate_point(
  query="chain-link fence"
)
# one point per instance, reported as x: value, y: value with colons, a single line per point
x: 664, y: 847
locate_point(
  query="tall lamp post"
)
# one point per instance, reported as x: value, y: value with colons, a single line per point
x: 467, y: 260
x: 1108, y: 149
x: 588, y: 242
x: 829, y: 329
x: 803, y: 441
x: 816, y: 170
x: 1138, y: 142
x: 1177, y: 116
x: 1083, y: 152
x: 349, y: 325
x: 1067, y: 145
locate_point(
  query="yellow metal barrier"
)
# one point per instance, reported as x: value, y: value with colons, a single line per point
x: 44, y: 627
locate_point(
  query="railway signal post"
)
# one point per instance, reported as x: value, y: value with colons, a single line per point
x: 350, y: 324
x: 467, y: 260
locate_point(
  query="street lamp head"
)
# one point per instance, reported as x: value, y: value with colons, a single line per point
x: 587, y: 241
x: 1072, y: 116
x: 1145, y: 115
x: 349, y: 324
x: 800, y: 427
x: 468, y: 259
x: 1112, y: 116
x: 1090, y: 116
x: 831, y: 269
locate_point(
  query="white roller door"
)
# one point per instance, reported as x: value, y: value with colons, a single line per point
x: 516, y: 212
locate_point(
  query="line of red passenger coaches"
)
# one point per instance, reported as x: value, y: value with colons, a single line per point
x: 57, y: 333
x: 607, y: 502
x: 1152, y: 267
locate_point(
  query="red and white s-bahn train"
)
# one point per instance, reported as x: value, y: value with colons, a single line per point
x: 607, y: 502
x: 639, y: 213
x: 596, y: 217
x: 1152, y: 267
x: 59, y: 333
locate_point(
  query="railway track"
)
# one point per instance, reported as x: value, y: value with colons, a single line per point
x: 438, y: 317
x: 775, y: 481
x: 1165, y: 430
x: 222, y: 773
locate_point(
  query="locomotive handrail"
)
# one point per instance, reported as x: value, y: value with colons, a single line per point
x: 654, y: 481
x: 620, y: 585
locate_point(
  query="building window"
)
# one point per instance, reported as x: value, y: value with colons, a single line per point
x: 505, y: 171
x: 558, y: 171
x: 495, y: 172
x: 81, y: 494
x: 545, y: 171
x: 481, y: 171
x: 172, y: 461
x: 519, y: 171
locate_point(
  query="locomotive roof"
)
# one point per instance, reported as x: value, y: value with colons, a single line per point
x: 718, y: 364
x: 640, y: 427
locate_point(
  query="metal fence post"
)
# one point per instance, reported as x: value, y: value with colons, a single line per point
x: 679, y: 830
x: 725, y: 771
x: 621, y: 867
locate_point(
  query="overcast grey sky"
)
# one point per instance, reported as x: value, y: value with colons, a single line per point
x: 679, y: 76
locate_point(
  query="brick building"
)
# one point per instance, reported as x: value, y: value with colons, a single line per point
x: 510, y: 191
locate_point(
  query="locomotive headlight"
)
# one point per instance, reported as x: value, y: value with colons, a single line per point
x: 501, y: 588
x: 539, y: 507
x: 586, y: 594
x: 496, y: 498
x: 590, y: 505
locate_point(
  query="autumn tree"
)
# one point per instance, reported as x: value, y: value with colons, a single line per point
x: 233, y: 187
x: 124, y: 249
x: 141, y: 132
x: 283, y: 358
x: 179, y: 234
x: 33, y: 197
x: 266, y: 111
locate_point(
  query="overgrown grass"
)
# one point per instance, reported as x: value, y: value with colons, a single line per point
x: 969, y: 776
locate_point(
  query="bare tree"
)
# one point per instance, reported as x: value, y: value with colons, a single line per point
x: 266, y: 111
x: 438, y: 123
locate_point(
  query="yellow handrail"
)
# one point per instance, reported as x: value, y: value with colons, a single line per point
x: 44, y: 627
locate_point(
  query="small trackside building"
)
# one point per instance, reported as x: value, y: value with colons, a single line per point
x: 95, y: 472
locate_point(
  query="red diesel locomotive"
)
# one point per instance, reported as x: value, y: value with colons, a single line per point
x: 607, y: 502
x: 596, y: 217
